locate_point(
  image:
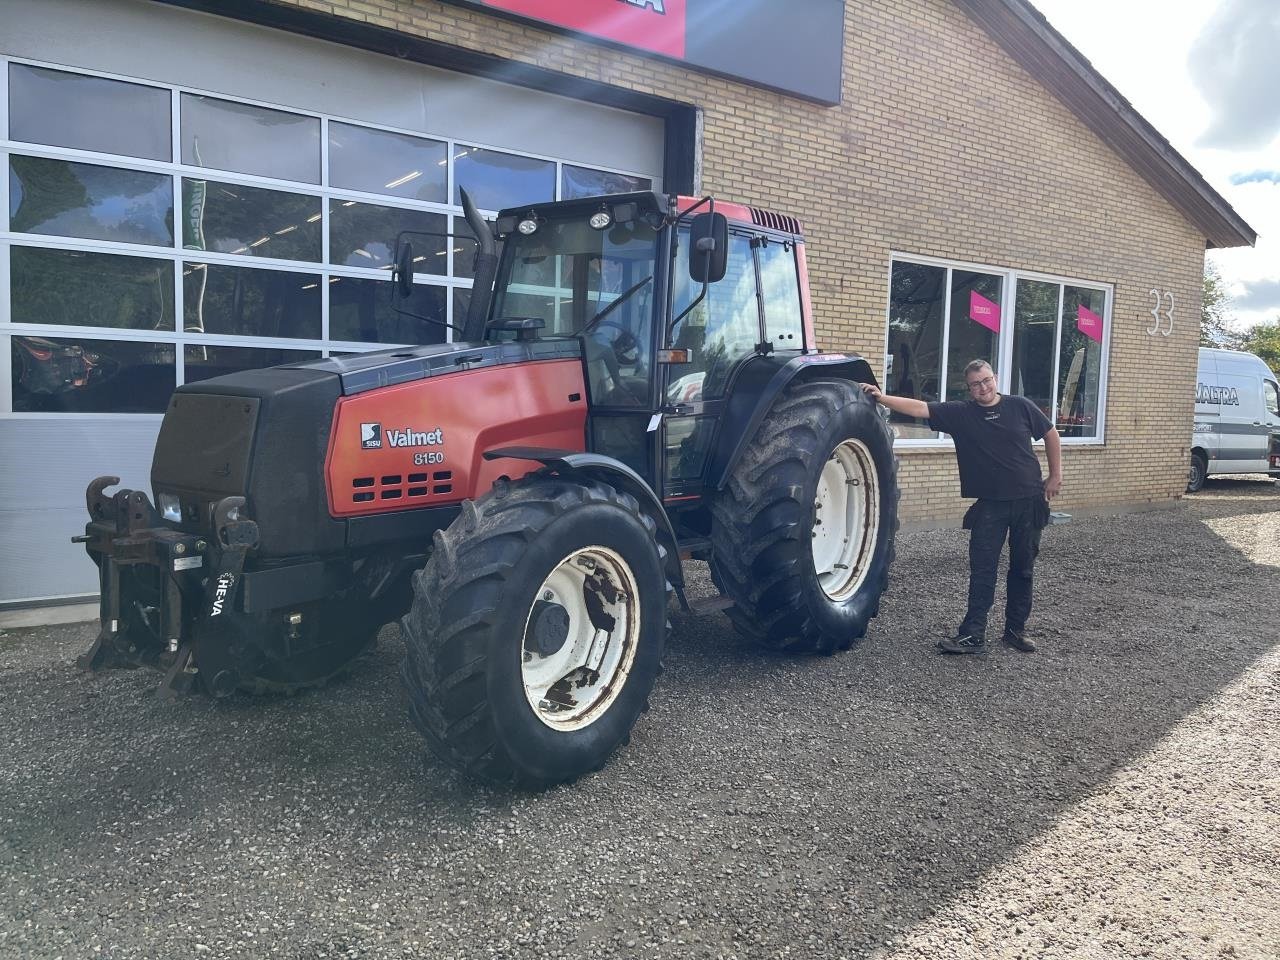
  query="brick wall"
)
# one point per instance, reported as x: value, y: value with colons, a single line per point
x: 942, y: 146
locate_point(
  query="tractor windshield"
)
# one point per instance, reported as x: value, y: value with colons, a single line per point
x: 597, y: 284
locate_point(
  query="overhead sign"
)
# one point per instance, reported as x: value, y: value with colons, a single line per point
x: 763, y: 42
x: 654, y: 25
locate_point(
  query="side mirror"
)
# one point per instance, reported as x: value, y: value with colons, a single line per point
x: 402, y: 274
x: 708, y: 247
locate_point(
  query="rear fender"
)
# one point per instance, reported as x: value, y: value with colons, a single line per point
x: 756, y: 389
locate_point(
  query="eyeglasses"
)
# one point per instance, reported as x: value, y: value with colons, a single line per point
x: 979, y: 384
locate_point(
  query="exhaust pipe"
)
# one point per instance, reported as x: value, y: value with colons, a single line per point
x: 485, y: 270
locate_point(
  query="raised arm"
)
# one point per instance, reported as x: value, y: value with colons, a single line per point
x: 907, y: 406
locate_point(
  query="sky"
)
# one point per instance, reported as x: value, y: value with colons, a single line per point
x: 1206, y: 75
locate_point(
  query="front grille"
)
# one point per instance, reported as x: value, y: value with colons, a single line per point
x: 394, y: 486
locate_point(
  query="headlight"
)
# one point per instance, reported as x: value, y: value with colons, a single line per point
x: 170, y: 507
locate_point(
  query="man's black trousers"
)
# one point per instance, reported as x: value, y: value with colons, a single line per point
x: 990, y: 523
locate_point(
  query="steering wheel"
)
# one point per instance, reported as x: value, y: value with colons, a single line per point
x: 625, y: 347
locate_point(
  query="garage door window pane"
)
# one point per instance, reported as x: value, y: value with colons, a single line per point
x: 917, y: 294
x: 61, y: 199
x: 73, y: 287
x: 59, y: 375
x: 237, y: 136
x: 88, y: 113
x: 578, y: 182
x: 362, y: 311
x: 232, y: 218
x: 396, y: 164
x: 242, y: 301
x: 1080, y: 362
x: 364, y: 235
x: 496, y: 180
x: 203, y: 362
x: 1035, y: 326
x: 465, y: 246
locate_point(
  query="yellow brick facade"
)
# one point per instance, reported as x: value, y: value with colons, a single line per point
x: 943, y: 146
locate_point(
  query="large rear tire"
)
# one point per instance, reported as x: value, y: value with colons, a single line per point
x: 803, y: 534
x: 536, y: 632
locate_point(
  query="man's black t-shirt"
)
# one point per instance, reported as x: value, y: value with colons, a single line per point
x: 993, y: 445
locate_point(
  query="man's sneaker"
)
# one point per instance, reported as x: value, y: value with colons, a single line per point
x: 1019, y: 641
x: 962, y: 643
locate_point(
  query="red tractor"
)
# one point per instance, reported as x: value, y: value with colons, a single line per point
x: 635, y: 381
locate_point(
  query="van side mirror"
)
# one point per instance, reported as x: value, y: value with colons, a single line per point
x: 402, y: 275
x: 708, y: 247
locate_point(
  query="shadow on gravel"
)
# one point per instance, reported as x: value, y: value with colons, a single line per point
x: 819, y: 805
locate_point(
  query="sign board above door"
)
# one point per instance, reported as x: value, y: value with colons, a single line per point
x: 789, y: 47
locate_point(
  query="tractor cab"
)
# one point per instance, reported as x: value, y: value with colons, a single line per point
x: 669, y: 297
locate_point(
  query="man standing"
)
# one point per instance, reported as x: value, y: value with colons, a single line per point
x: 998, y: 467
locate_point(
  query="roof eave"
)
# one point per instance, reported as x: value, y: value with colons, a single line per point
x: 1029, y: 38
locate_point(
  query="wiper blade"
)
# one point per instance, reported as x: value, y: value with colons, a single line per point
x: 626, y: 294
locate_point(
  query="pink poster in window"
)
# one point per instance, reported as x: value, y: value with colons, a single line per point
x: 1089, y: 323
x: 984, y: 311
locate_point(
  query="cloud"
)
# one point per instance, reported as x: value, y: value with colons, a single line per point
x: 1262, y: 296
x: 1258, y: 176
x: 1234, y: 64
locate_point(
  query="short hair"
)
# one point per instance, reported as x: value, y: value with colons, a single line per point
x: 973, y: 365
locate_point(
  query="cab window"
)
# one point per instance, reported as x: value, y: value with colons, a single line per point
x: 780, y: 293
x: 722, y: 329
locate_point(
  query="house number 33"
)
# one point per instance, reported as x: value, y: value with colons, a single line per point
x: 1162, y: 312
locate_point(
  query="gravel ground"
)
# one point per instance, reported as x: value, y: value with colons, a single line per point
x: 1115, y: 795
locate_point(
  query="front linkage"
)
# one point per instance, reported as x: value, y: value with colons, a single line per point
x: 167, y: 598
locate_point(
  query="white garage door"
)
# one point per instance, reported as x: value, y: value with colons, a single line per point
x: 187, y: 196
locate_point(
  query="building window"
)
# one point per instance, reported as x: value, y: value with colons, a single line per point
x: 578, y: 182
x: 77, y: 288
x: 61, y: 199
x: 1043, y: 337
x: 269, y: 238
x: 243, y: 138
x: 79, y: 375
x: 63, y: 109
x: 495, y: 179
x: 250, y: 221
x: 394, y: 164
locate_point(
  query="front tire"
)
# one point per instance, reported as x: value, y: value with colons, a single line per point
x: 536, y: 632
x: 803, y: 534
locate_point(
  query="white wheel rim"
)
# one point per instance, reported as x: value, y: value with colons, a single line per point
x: 571, y: 686
x: 846, y: 520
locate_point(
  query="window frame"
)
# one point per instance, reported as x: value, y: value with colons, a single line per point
x: 1004, y: 359
x: 177, y: 171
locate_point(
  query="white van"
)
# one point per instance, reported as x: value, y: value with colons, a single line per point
x: 1237, y: 422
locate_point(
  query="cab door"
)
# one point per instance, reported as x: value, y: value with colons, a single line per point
x: 723, y: 329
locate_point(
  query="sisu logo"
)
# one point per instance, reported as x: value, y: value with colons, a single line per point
x: 409, y: 437
x: 221, y: 591
x: 657, y: 6
x: 1223, y: 396
x: 370, y: 436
